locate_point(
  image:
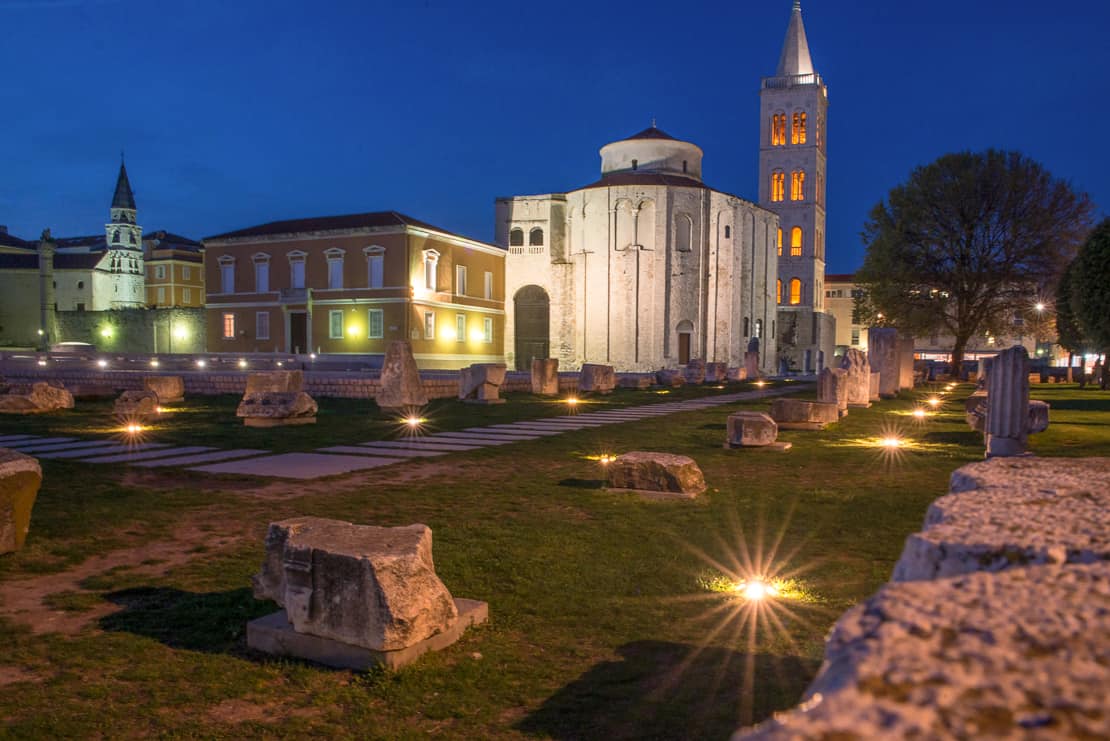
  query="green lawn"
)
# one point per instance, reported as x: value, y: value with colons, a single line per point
x: 601, y: 624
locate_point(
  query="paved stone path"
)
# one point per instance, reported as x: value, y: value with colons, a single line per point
x: 339, y: 459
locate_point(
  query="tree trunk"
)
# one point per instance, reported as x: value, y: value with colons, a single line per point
x: 1071, y: 361
x: 958, y: 357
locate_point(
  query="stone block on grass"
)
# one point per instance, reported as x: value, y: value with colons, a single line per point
x: 277, y: 409
x: 20, y: 478
x: 656, y: 475
x: 38, y: 398
x: 545, y: 376
x: 481, y: 383
x: 797, y: 414
x: 401, y: 388
x: 752, y: 430
x: 134, y: 404
x: 168, y: 389
x: 670, y: 378
x: 832, y: 386
x: 635, y: 380
x: 695, y: 370
x: 716, y: 372
x: 595, y: 378
x: 859, y: 377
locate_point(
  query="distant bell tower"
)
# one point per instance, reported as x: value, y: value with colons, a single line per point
x: 125, y: 248
x: 794, y: 107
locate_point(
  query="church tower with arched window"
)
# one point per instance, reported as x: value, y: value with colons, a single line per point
x: 124, y: 236
x: 792, y: 164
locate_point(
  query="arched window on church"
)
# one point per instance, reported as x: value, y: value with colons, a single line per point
x: 535, y: 237
x: 798, y: 132
x: 795, y: 291
x: 796, y: 242
x: 779, y: 241
x: 131, y: 237
x: 778, y: 291
x: 115, y: 237
x: 683, y: 232
x: 778, y: 186
x: 728, y: 231
x: 778, y: 129
x: 798, y: 185
x: 516, y: 238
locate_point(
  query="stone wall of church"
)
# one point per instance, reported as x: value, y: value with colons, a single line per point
x: 135, y: 330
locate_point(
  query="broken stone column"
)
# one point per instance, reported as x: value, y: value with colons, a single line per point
x: 481, y: 383
x: 20, y: 478
x: 400, y: 385
x: 716, y: 372
x: 858, y: 377
x: 355, y: 595
x: 751, y: 364
x: 753, y: 430
x: 133, y: 404
x: 670, y: 378
x: 275, y: 399
x: 873, y: 393
x: 168, y: 389
x: 798, y: 414
x: 1038, y: 415
x: 695, y: 371
x: 1008, y: 405
x: 832, y: 386
x: 656, y: 475
x: 738, y: 374
x: 596, y: 378
x: 545, y: 376
x: 905, y: 363
x: 882, y: 355
x: 636, y: 380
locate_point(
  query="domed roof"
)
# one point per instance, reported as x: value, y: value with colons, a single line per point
x: 652, y: 151
x: 651, y: 132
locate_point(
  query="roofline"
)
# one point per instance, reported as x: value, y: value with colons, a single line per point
x: 352, y: 232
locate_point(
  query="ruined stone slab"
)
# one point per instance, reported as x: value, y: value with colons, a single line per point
x: 596, y: 378
x: 274, y: 382
x: 635, y: 381
x: 545, y: 376
x: 858, y: 381
x: 20, y: 478
x: 738, y: 374
x: 832, y: 387
x: 656, y: 474
x: 1007, y: 512
x: 1023, y: 654
x: 751, y: 430
x: 716, y: 372
x: 670, y: 378
x: 401, y: 388
x: 797, y: 414
x: 481, y: 383
x: 169, y: 389
x: 876, y: 384
x: 1038, y: 416
x: 136, y: 404
x: 882, y: 355
x: 751, y: 364
x: 1008, y: 404
x: 695, y: 371
x: 905, y: 363
x: 277, y: 409
x: 38, y: 398
x: 373, y: 587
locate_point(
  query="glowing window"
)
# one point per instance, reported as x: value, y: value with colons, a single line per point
x: 229, y: 326
x: 795, y: 291
x: 375, y: 324
x: 429, y: 325
x: 335, y: 324
x: 535, y: 237
x: 778, y: 186
x: 460, y: 280
x: 516, y: 238
x: 798, y: 185
x: 460, y: 327
x: 778, y: 129
x: 798, y: 132
x: 796, y: 242
x: 487, y: 329
x: 431, y: 260
x: 779, y: 241
x: 778, y: 290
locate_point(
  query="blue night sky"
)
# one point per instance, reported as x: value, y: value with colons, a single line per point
x: 237, y: 113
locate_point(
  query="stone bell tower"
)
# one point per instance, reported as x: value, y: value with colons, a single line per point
x: 125, y: 248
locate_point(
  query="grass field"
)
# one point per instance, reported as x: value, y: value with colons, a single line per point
x: 124, y: 615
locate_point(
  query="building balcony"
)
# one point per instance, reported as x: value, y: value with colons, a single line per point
x: 293, y: 295
x: 789, y: 81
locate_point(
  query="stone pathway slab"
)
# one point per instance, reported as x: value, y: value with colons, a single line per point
x: 296, y: 465
x: 41, y: 441
x: 76, y: 445
x: 120, y: 448
x: 397, y: 453
x: 188, y: 460
x: 148, y: 454
x: 4, y: 439
x: 416, y: 443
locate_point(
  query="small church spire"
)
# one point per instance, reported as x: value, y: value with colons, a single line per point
x: 795, y: 59
x: 123, y: 197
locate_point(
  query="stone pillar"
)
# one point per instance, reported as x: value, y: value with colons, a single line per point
x: 873, y: 390
x: 859, y: 377
x: 905, y: 363
x: 545, y: 376
x: 832, y: 387
x: 984, y: 371
x: 48, y: 318
x: 751, y: 364
x: 1008, y: 403
x: 882, y: 354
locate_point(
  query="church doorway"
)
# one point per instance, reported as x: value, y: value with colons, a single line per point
x: 532, y: 311
x: 685, y: 332
x: 298, y: 332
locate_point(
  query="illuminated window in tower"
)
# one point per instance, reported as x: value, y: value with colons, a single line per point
x: 795, y: 291
x: 798, y: 132
x: 778, y: 291
x: 780, y: 241
x: 798, y: 185
x: 778, y: 129
x: 796, y: 242
x: 778, y: 186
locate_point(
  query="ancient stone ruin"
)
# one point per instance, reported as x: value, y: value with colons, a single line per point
x: 832, y: 387
x: 695, y: 370
x: 751, y: 365
x: 401, y: 388
x: 656, y: 475
x: 593, y: 378
x: 1008, y: 403
x: 796, y: 414
x: 355, y: 595
x: 20, y: 478
x: 635, y: 380
x: 882, y: 355
x: 133, y: 404
x: 716, y: 372
x: 276, y: 399
x: 753, y: 430
x: 670, y: 378
x: 38, y: 398
x: 859, y: 377
x: 168, y: 389
x: 481, y: 383
x: 545, y: 376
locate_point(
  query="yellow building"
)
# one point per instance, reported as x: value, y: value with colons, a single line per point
x: 840, y: 301
x: 351, y: 284
x: 174, y: 271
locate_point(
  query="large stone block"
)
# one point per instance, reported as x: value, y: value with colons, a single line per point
x: 274, y: 382
x: 716, y: 372
x: 832, y: 387
x: 39, y: 398
x: 373, y: 587
x: 738, y: 374
x: 670, y: 378
x: 1007, y: 512
x: 905, y: 363
x: 876, y: 384
x: 1008, y: 403
x: 20, y: 478
x: 751, y: 364
x: 695, y: 371
x: 481, y: 383
x: 656, y: 474
x: 596, y: 378
x: 1038, y: 416
x: 168, y: 389
x: 401, y: 387
x: 797, y: 414
x: 636, y: 380
x: 545, y: 376
x: 751, y: 430
x: 1020, y: 655
x: 858, y: 370
x: 882, y: 355
x: 277, y: 409
x: 136, y: 404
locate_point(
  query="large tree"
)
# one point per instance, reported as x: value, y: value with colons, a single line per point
x: 1089, y: 286
x: 967, y: 243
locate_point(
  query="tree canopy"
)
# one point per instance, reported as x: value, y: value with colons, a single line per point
x: 968, y: 243
x: 1090, y: 288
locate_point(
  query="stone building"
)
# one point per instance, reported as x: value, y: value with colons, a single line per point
x: 840, y: 302
x: 793, y: 140
x: 646, y: 268
x: 351, y: 284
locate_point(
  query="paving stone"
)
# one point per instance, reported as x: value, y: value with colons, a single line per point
x: 120, y: 448
x: 148, y: 454
x: 188, y: 460
x: 40, y: 441
x: 418, y: 443
x: 513, y: 432
x: 73, y: 445
x: 4, y: 439
x: 398, y: 452
x: 490, y: 436
x: 296, y: 465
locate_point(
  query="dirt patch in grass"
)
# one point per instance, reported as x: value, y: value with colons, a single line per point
x: 243, y: 710
x: 16, y: 674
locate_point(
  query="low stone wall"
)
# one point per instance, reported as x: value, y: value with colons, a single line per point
x: 997, y: 623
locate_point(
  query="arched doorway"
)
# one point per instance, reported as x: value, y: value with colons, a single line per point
x: 685, y: 331
x: 532, y: 310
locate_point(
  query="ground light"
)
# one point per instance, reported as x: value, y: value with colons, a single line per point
x: 243, y: 364
x: 757, y: 589
x: 154, y: 363
x: 920, y: 413
x: 102, y: 363
x: 201, y: 363
x: 133, y: 428
x: 933, y: 401
x: 572, y: 401
x: 42, y: 361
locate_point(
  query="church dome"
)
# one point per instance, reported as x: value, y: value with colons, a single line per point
x: 652, y: 151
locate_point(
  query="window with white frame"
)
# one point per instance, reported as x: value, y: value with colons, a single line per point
x: 186, y: 272
x: 160, y: 272
x: 375, y: 324
x: 262, y: 325
x: 261, y: 273
x: 429, y: 325
x: 487, y: 329
x: 431, y: 262
x: 227, y: 274
x: 161, y: 295
x: 296, y: 269
x: 488, y: 291
x: 460, y: 327
x: 186, y: 295
x: 229, y: 326
x: 375, y: 266
x: 460, y: 280
x: 335, y: 324
x: 335, y: 267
